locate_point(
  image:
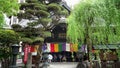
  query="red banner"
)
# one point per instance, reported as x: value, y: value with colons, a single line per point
x: 29, y: 49
x: 26, y: 50
x: 32, y: 49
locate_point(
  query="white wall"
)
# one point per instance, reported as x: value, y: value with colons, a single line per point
x: 71, y: 3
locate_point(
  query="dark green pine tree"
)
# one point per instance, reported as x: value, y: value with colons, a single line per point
x: 41, y: 14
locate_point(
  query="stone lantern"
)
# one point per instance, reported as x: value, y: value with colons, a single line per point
x: 15, y: 51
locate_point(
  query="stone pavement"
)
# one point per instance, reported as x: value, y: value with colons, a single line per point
x: 63, y: 65
x: 57, y: 65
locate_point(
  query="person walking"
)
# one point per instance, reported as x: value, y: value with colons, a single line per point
x: 60, y: 57
x: 54, y: 58
x: 50, y: 57
x: 64, y: 58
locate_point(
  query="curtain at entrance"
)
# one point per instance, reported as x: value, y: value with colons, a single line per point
x: 58, y: 47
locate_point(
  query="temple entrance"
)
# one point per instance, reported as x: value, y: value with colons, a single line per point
x: 64, y: 56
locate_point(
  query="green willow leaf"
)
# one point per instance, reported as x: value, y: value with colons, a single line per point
x: 97, y: 19
x: 9, y: 7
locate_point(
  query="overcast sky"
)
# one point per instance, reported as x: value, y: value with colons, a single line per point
x: 71, y: 3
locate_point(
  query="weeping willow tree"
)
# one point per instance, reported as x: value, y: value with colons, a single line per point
x: 94, y: 22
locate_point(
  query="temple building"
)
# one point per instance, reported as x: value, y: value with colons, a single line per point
x: 58, y: 46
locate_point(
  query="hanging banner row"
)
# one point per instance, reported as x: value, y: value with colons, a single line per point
x: 58, y: 47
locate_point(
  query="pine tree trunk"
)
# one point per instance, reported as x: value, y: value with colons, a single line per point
x: 37, y: 61
x: 29, y: 62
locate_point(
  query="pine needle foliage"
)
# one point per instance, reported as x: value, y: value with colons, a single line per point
x: 98, y: 20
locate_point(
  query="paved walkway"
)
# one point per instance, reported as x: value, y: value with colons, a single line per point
x: 63, y: 65
x: 58, y: 65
